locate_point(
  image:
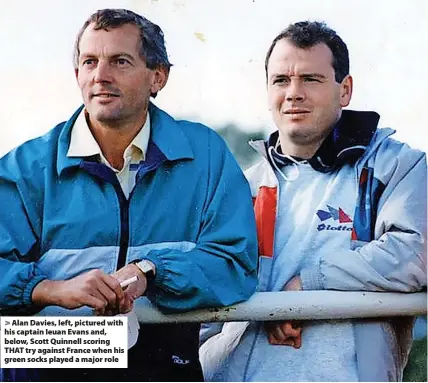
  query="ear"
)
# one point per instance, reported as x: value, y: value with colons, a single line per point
x: 160, y: 79
x: 76, y: 73
x: 346, y: 91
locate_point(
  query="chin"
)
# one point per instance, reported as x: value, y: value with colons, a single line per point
x: 297, y: 130
x: 107, y: 117
x: 298, y: 135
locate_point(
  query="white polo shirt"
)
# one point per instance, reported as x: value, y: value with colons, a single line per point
x: 83, y: 144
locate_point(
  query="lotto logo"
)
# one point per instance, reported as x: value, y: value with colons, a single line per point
x: 337, y: 215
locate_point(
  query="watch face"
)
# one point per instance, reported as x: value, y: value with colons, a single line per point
x: 147, y: 268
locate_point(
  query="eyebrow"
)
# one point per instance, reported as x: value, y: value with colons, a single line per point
x: 116, y: 55
x: 303, y: 75
x: 123, y: 54
x: 316, y: 75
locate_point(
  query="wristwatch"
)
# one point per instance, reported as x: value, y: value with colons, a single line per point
x: 147, y: 268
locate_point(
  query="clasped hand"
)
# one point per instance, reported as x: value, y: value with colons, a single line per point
x: 286, y: 333
x: 96, y: 289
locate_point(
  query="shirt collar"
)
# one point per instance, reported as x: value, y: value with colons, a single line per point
x: 83, y: 143
x: 167, y: 137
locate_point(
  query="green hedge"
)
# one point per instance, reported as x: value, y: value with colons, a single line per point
x: 416, y: 369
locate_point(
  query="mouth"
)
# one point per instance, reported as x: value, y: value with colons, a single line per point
x: 104, y: 95
x: 296, y: 111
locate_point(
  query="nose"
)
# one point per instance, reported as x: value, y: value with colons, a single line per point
x: 102, y: 72
x: 295, y: 91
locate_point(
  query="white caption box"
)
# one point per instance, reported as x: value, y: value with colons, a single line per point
x: 64, y: 342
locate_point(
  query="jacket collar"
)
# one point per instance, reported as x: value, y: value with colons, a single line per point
x: 166, y: 134
x: 346, y: 143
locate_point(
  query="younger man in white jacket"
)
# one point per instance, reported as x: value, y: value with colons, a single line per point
x: 339, y: 206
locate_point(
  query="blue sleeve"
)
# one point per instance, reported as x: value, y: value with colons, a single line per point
x: 221, y: 269
x: 18, y: 249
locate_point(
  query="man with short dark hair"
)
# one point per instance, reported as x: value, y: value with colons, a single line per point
x: 339, y: 206
x: 123, y: 190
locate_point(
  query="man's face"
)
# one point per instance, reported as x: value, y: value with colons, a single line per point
x: 304, y: 98
x: 114, y: 79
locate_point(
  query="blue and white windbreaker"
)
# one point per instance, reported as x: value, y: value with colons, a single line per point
x: 387, y: 245
x: 190, y: 213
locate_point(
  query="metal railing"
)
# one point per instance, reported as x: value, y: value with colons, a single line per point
x: 298, y: 305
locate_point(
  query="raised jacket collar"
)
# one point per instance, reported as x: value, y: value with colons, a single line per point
x: 346, y: 143
x: 166, y: 134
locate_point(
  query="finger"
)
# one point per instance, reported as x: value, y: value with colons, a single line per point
x: 127, y: 309
x: 114, y: 285
x: 298, y: 342
x: 276, y: 332
x: 99, y: 313
x: 100, y: 286
x: 276, y: 342
x: 127, y: 304
x: 103, y: 292
x: 98, y: 298
x: 272, y: 339
x: 288, y: 330
x: 110, y: 290
x: 110, y: 312
x: 288, y: 342
x: 97, y: 304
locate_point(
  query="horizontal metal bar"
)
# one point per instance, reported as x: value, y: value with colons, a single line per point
x: 297, y: 305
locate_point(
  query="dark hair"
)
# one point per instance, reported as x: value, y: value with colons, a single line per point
x: 306, y: 34
x: 153, y: 49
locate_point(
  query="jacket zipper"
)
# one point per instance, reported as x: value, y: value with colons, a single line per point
x: 124, y: 226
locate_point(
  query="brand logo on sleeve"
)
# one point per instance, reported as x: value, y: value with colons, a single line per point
x: 178, y: 360
x: 337, y: 215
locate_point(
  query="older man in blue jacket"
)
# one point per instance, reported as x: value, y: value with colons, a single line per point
x: 120, y: 190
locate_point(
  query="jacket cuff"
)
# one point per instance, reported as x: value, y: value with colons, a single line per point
x: 311, y: 279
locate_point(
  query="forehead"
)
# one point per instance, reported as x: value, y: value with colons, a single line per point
x: 286, y: 58
x: 125, y: 38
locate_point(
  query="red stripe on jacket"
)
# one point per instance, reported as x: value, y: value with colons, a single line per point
x: 265, y: 211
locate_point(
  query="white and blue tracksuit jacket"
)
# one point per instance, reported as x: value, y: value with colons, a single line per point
x: 386, y: 249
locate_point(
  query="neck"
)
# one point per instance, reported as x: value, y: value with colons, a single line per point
x: 114, y: 139
x: 305, y: 151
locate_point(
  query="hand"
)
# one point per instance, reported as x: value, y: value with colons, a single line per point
x: 94, y: 289
x: 286, y: 333
x: 294, y: 284
x: 135, y: 289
